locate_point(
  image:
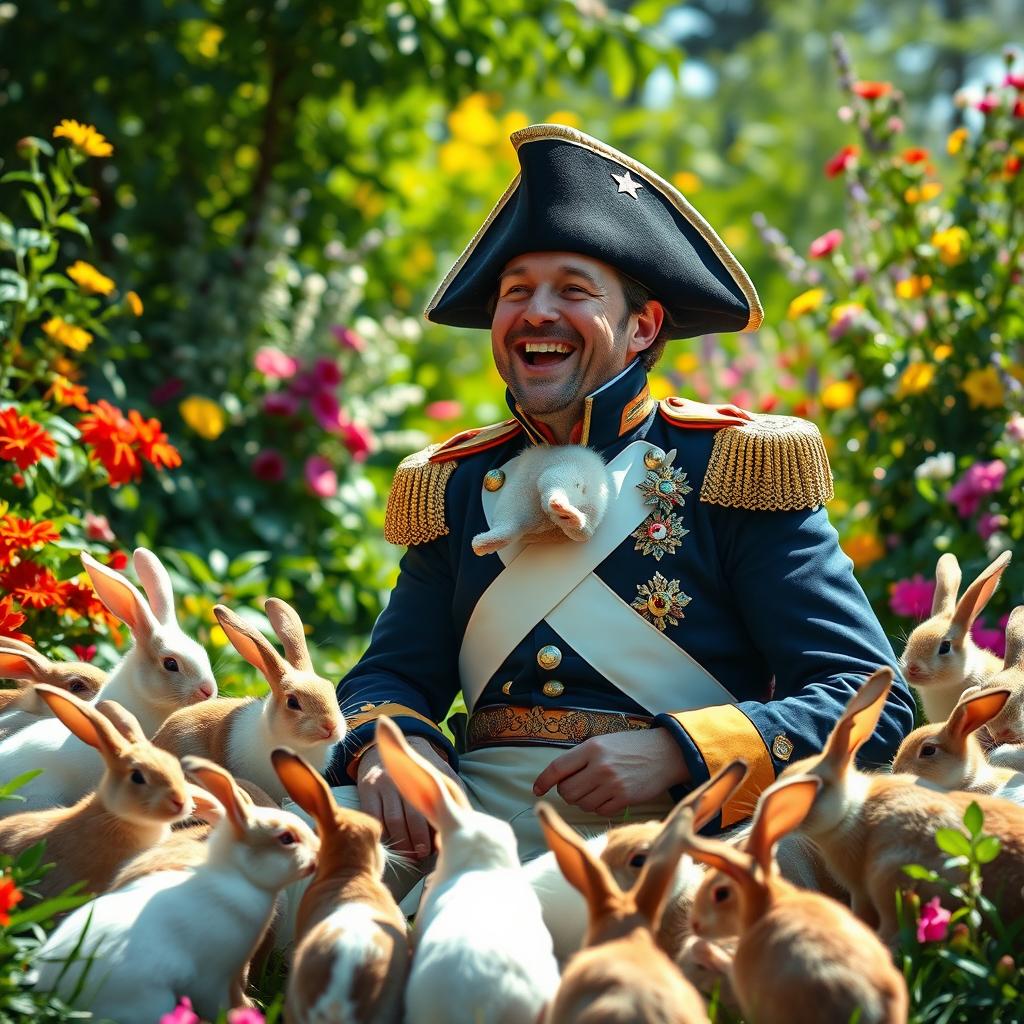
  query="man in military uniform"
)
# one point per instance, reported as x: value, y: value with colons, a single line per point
x: 711, y: 616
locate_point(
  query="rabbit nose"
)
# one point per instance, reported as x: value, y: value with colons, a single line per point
x: 178, y: 804
x: 204, y: 691
x: 914, y: 670
x: 327, y: 729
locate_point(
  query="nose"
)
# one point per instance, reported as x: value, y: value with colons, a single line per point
x: 327, y: 730
x: 178, y: 804
x: 205, y: 691
x: 914, y: 670
x: 541, y: 308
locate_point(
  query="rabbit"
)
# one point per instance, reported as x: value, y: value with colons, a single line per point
x: 301, y: 711
x: 482, y: 953
x: 941, y: 660
x: 556, y: 491
x: 951, y: 756
x: 352, y: 953
x: 141, y: 794
x: 801, y: 957
x: 164, y: 669
x: 183, y: 931
x: 22, y: 662
x: 1007, y: 725
x: 868, y: 826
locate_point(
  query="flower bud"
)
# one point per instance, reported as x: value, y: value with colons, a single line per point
x: 1005, y: 967
x: 959, y: 937
x: 26, y: 148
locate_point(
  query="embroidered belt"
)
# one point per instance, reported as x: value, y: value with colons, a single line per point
x: 505, y: 723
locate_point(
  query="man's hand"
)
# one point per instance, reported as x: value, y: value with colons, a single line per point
x: 405, y: 829
x: 605, y: 774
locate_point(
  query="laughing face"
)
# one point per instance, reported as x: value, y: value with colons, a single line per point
x: 561, y: 329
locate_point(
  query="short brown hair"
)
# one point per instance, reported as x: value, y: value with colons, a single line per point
x: 637, y: 296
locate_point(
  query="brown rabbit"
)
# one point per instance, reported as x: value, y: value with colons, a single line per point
x: 301, y: 711
x: 941, y: 660
x: 1007, y: 725
x: 868, y: 826
x: 801, y: 957
x: 142, y: 792
x: 23, y: 663
x: 352, y: 952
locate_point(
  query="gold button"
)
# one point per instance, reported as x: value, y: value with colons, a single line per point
x: 553, y: 688
x: 494, y: 480
x: 549, y: 657
x: 653, y: 458
x: 782, y: 748
x: 506, y: 687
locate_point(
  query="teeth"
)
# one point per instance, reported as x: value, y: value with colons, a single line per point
x: 548, y: 346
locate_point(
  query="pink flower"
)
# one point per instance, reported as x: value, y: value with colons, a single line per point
x: 444, y: 410
x: 933, y: 923
x: 1016, y: 81
x: 989, y: 523
x: 98, y: 528
x: 828, y: 242
x: 358, y: 439
x: 347, y: 338
x: 987, y: 103
x: 730, y: 377
x: 993, y: 640
x: 181, y: 1014
x: 274, y: 363
x: 912, y: 597
x: 84, y: 652
x: 168, y: 391
x: 979, y: 480
x: 246, y: 1016
x: 269, y: 465
x: 280, y: 403
x: 320, y: 476
x: 326, y: 372
x: 326, y: 410
x: 304, y: 385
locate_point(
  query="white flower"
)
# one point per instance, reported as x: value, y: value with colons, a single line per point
x: 1015, y: 427
x: 936, y: 467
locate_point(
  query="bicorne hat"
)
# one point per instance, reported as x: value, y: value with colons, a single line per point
x: 574, y: 193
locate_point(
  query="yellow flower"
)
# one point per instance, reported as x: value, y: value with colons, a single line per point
x: 863, y: 549
x: 844, y: 310
x: 209, y: 41
x: 942, y: 352
x: 458, y: 157
x: 83, y: 137
x: 686, y: 363
x: 218, y: 637
x: 840, y: 394
x: 134, y: 303
x: 984, y: 389
x: 913, y: 287
x: 806, y: 302
x: 89, y: 279
x: 472, y: 121
x: 687, y: 182
x: 922, y: 193
x: 204, y: 416
x: 915, y: 378
x: 952, y: 245
x: 566, y: 117
x: 74, y: 337
x: 956, y: 141
x: 661, y: 387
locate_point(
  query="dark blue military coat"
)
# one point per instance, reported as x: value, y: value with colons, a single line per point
x: 774, y: 612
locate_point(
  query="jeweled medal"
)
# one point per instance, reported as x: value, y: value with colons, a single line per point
x: 660, y: 601
x: 659, y: 534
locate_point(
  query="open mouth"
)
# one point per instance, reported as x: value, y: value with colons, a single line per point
x: 541, y: 354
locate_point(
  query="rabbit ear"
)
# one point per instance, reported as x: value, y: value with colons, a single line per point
x: 974, y: 711
x: 977, y: 595
x: 419, y: 782
x: 120, y: 597
x: 21, y: 666
x: 582, y: 870
x: 157, y: 584
x: 289, y: 629
x: 1014, y: 657
x: 658, y: 872
x: 252, y: 645
x: 728, y: 859
x: 860, y: 718
x: 205, y: 806
x: 305, y: 786
x: 220, y: 783
x: 781, y: 809
x: 709, y: 797
x: 83, y: 720
x: 947, y: 584
x: 17, y: 646
x: 123, y: 720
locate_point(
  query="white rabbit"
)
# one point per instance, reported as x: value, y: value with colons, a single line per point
x: 188, y: 932
x: 556, y: 491
x: 482, y: 953
x: 162, y: 670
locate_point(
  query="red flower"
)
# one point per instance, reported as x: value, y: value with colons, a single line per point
x: 872, y: 90
x: 33, y: 585
x: 10, y: 620
x: 1011, y: 166
x: 110, y: 436
x: 915, y: 155
x: 152, y: 443
x: 1018, y: 108
x: 18, y: 534
x: 22, y: 440
x: 987, y: 103
x: 846, y: 157
x: 769, y: 402
x: 118, y: 560
x: 827, y: 243
x: 84, y: 652
x: 1016, y: 81
x: 10, y: 897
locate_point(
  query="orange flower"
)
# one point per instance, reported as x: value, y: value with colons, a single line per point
x: 10, y: 897
x: 63, y: 392
x: 111, y: 435
x: 134, y: 303
x: 19, y: 534
x: 872, y: 90
x: 89, y: 279
x: 33, y: 585
x: 153, y: 445
x: 843, y: 159
x: 83, y: 137
x: 10, y: 620
x: 74, y: 337
x: 22, y: 440
x: 915, y: 155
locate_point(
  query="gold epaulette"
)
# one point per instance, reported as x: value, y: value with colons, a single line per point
x: 771, y: 463
x: 416, y: 510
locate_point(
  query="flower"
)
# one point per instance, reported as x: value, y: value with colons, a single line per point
x: 358, y: 439
x: 446, y: 409
x: 917, y: 377
x: 913, y: 287
x: 32, y: 585
x: 98, y: 528
x: 923, y: 193
x: 326, y: 372
x: 987, y: 103
x: 806, y: 302
x: 990, y: 522
x: 993, y: 640
x: 827, y: 243
x: 280, y: 403
x: 83, y: 137
x: 347, y: 338
x: 84, y: 652
x: 64, y: 392
x: 915, y: 155
x: 77, y: 338
x: 204, y: 416
x: 23, y: 534
x: 151, y: 442
x: 89, y: 279
x: 326, y: 411
x: 956, y: 141
x: 110, y: 435
x: 687, y: 182
x: 10, y: 897
x: 940, y: 466
x: 134, y: 303
x: 933, y: 923
x: 246, y: 1015
x: 11, y: 619
x: 846, y: 157
x: 269, y: 466
x: 320, y: 477
x: 22, y: 440
x: 978, y: 481
x: 168, y: 391
x: 872, y: 90
x: 912, y: 597
x: 983, y: 388
x: 863, y: 549
x: 181, y: 1014
x: 840, y: 394
x: 1015, y: 427
x: 274, y: 363
x: 952, y: 245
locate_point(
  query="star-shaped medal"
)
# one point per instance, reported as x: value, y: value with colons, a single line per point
x: 660, y: 601
x: 664, y: 487
x: 627, y: 184
x: 659, y: 535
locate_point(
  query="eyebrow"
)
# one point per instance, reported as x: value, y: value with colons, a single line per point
x: 567, y: 269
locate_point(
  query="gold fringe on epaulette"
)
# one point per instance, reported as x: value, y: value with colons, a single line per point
x: 415, y: 512
x: 774, y: 463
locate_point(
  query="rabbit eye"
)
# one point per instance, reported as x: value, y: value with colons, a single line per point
x: 286, y: 838
x: 945, y: 646
x: 638, y: 860
x: 170, y: 664
x: 77, y: 685
x: 929, y: 750
x: 293, y: 703
x: 720, y: 893
x: 138, y: 778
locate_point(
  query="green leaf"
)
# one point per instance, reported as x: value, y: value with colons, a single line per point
x: 26, y: 176
x: 987, y: 849
x: 974, y: 819
x: 35, y: 204
x: 920, y: 872
x: 8, y: 789
x: 70, y: 222
x: 42, y: 503
x: 14, y: 292
x: 953, y: 841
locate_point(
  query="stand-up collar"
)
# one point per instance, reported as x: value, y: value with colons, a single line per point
x: 613, y: 410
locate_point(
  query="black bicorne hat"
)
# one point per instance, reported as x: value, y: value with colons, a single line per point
x: 575, y: 194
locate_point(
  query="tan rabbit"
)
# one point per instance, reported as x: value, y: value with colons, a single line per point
x: 301, y: 712
x: 142, y: 792
x: 868, y: 826
x: 1007, y: 726
x: 801, y: 957
x: 951, y: 756
x: 941, y: 660
x: 23, y: 663
x: 352, y: 952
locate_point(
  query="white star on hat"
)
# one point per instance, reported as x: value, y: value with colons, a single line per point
x: 627, y: 184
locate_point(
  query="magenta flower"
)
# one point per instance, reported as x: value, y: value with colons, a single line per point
x: 280, y: 403
x: 1016, y: 81
x: 347, y: 338
x: 827, y: 243
x: 304, y: 385
x: 993, y: 640
x: 246, y: 1016
x: 274, y: 363
x: 358, y: 439
x: 979, y: 480
x: 269, y: 466
x: 933, y: 923
x: 987, y: 103
x: 181, y: 1014
x: 326, y: 411
x: 912, y: 597
x: 320, y: 477
x: 444, y: 410
x: 989, y: 523
x: 98, y: 528
x: 326, y: 372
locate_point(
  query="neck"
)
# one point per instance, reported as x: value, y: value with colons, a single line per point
x: 561, y: 423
